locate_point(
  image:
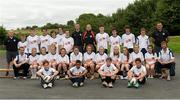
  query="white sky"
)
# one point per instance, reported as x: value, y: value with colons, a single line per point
x: 21, y: 13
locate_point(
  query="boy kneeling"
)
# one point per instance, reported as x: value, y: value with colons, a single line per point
x: 136, y: 74
x: 77, y: 74
x: 108, y: 73
x: 47, y: 75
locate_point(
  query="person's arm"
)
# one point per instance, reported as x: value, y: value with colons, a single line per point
x: 142, y: 75
x: 115, y: 71
x: 84, y: 72
x: 54, y: 74
x: 39, y: 73
x: 69, y: 73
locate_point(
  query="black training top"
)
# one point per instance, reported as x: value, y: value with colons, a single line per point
x: 160, y: 36
x: 11, y: 44
x: 77, y: 36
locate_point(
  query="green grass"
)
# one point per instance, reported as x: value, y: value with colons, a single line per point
x: 2, y: 52
x: 174, y: 44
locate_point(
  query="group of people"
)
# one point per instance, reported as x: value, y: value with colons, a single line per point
x: 82, y: 55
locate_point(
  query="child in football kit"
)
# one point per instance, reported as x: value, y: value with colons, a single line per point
x: 54, y: 40
x: 43, y: 56
x: 128, y: 39
x: 77, y: 74
x: 53, y: 57
x: 150, y: 59
x: 108, y: 73
x: 45, y: 39
x: 63, y: 63
x: 102, y: 39
x: 143, y: 41
x: 126, y: 63
x: 23, y: 43
x: 137, y: 75
x: 33, y: 62
x: 89, y: 60
x: 75, y: 55
x: 47, y: 75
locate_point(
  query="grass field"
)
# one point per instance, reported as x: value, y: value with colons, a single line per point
x: 174, y: 44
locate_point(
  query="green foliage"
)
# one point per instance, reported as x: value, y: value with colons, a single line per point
x: 3, y: 33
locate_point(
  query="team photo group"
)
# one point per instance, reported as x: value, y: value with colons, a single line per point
x: 81, y: 55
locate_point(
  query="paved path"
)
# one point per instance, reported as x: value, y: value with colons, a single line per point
x: 155, y: 88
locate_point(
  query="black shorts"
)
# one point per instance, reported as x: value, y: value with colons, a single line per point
x: 143, y: 81
x: 10, y: 56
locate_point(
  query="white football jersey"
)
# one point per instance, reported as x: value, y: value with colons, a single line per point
x: 68, y: 43
x: 102, y: 40
x: 114, y: 41
x: 128, y: 40
x: 33, y: 42
x: 45, y: 41
x: 24, y: 45
x: 143, y: 41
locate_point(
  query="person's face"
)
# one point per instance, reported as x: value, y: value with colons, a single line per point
x: 53, y: 49
x: 89, y: 49
x: 46, y: 65
x: 116, y: 50
x: 10, y: 33
x: 125, y: 51
x: 101, y: 50
x: 21, y: 50
x: 101, y: 29
x: 114, y: 32
x: 136, y: 49
x: 60, y: 30
x: 67, y: 33
x: 23, y: 38
x: 88, y: 27
x: 63, y: 52
x: 77, y: 26
x: 34, y: 51
x: 108, y: 62
x: 143, y: 32
x: 127, y: 30
x: 164, y: 46
x: 32, y: 32
x: 76, y: 50
x: 159, y: 26
x: 43, y: 51
x: 150, y: 49
x: 54, y: 35
x: 45, y: 32
x: 78, y: 65
x: 138, y: 64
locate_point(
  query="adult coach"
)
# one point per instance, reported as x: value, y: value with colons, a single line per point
x: 77, y: 36
x: 159, y: 35
x: 11, y: 45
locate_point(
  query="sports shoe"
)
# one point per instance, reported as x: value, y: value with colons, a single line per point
x: 45, y: 86
x: 50, y: 85
x: 136, y: 85
x: 57, y: 77
x: 24, y: 77
x: 110, y: 85
x: 16, y: 78
x: 121, y: 77
x: 75, y: 84
x: 168, y: 78
x: 129, y: 84
x: 66, y: 76
x: 104, y: 84
x: 81, y: 84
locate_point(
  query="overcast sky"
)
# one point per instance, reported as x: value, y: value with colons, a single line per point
x: 21, y: 13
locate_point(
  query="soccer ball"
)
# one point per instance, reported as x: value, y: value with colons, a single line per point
x: 133, y: 80
x: 47, y: 79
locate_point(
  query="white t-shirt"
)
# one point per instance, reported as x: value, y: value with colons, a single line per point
x: 21, y: 58
x: 101, y: 58
x: 124, y: 58
x: 45, y: 41
x: 56, y: 42
x: 138, y: 71
x: 115, y: 57
x: 150, y: 58
x: 114, y: 41
x: 143, y: 41
x: 166, y: 56
x: 128, y: 40
x: 102, y: 40
x: 68, y: 43
x: 105, y: 68
x: 60, y: 37
x: 89, y: 56
x: 63, y: 59
x: 42, y: 58
x: 137, y: 55
x: 52, y: 57
x: 33, y: 58
x: 33, y: 42
x: 24, y: 45
x: 74, y: 57
x: 49, y: 72
x: 74, y: 70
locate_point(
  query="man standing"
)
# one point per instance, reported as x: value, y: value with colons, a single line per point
x: 11, y: 45
x: 77, y: 36
x: 159, y: 35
